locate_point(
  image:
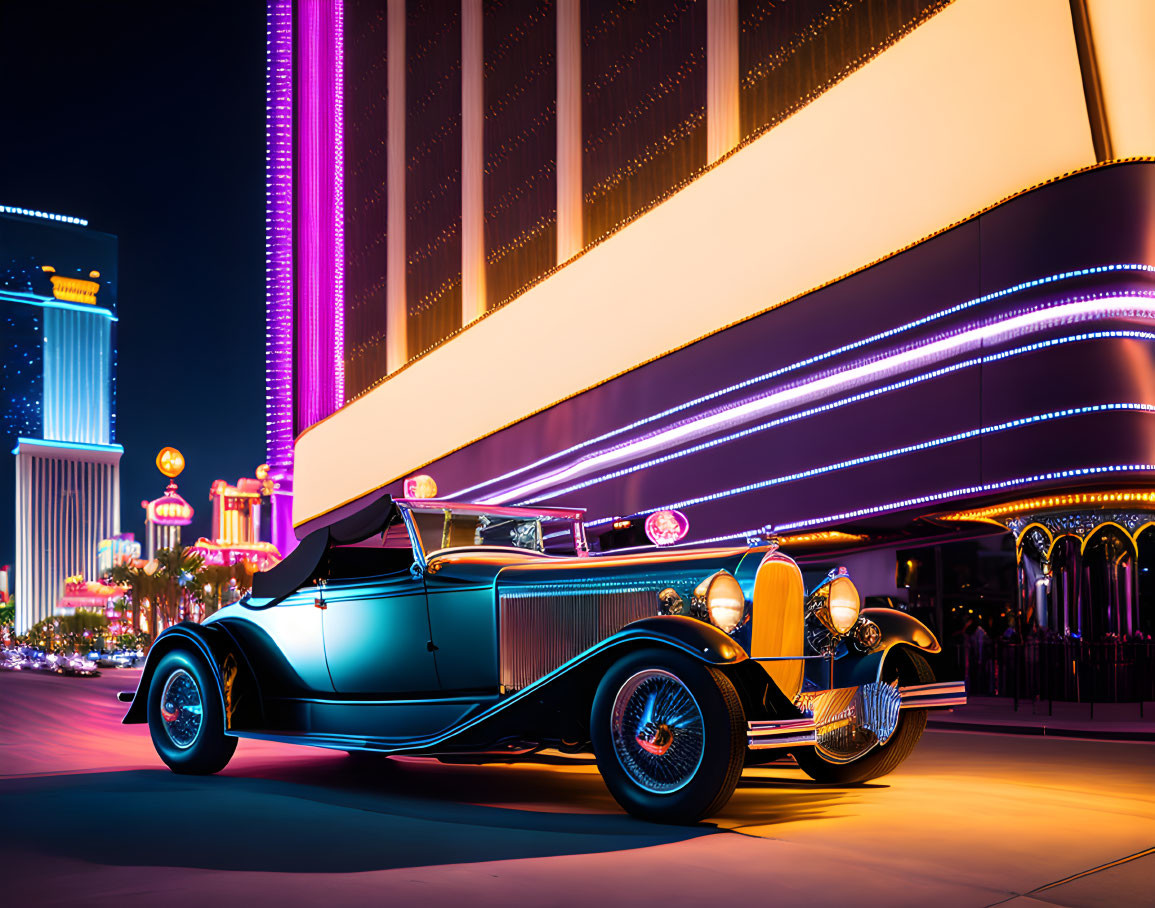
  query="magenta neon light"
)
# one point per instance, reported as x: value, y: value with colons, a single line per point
x: 1138, y: 304
x: 320, y: 207
x: 845, y: 348
x: 279, y: 235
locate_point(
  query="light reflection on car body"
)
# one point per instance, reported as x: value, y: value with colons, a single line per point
x: 464, y: 631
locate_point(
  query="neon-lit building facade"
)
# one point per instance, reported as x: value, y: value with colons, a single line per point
x: 58, y: 384
x: 859, y: 273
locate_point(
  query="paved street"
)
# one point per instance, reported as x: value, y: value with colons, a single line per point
x: 92, y: 817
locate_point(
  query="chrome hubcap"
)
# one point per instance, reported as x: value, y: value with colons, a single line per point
x: 180, y: 708
x: 657, y: 731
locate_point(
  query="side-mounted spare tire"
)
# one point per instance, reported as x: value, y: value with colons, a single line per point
x: 185, y: 715
x: 669, y: 734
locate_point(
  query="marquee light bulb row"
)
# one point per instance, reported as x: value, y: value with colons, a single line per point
x: 1072, y: 500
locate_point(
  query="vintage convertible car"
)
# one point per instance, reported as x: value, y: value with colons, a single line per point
x: 484, y: 633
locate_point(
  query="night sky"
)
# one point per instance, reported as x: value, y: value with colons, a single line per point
x: 147, y: 118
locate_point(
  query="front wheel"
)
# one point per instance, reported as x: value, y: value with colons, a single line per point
x: 185, y: 715
x: 669, y: 734
x: 906, y: 667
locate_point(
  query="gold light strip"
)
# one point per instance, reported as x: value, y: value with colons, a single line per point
x: 1072, y: 500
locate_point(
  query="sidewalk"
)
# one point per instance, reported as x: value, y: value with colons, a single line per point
x: 1111, y: 721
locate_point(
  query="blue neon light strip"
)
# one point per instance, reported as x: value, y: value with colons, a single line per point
x: 814, y: 522
x: 886, y: 455
x: 48, y: 302
x: 834, y: 405
x: 67, y: 445
x: 990, y: 297
x: 863, y: 372
x: 46, y: 215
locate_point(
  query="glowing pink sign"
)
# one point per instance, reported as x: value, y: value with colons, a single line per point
x: 667, y: 527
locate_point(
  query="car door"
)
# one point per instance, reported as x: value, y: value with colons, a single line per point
x: 377, y: 640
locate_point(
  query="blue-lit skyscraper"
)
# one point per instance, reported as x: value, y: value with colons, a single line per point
x: 58, y: 402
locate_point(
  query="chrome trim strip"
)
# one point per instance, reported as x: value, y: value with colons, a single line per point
x: 767, y: 734
x: 939, y: 695
x: 430, y: 741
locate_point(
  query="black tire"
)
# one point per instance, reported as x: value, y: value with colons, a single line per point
x: 714, y: 736
x: 908, y: 667
x: 204, y: 749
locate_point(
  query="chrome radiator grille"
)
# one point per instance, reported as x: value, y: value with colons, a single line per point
x: 541, y: 630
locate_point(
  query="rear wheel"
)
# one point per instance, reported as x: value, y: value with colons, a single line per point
x: 669, y: 734
x: 186, y: 717
x: 905, y: 666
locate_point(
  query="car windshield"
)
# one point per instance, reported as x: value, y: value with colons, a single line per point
x: 456, y: 526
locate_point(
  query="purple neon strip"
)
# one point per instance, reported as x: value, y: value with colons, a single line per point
x: 279, y: 234
x: 842, y: 402
x: 891, y: 453
x: 937, y: 348
x: 812, y: 523
x: 338, y: 215
x: 320, y: 229
x: 891, y: 332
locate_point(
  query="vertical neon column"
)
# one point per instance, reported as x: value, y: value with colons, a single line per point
x: 320, y: 224
x: 279, y: 267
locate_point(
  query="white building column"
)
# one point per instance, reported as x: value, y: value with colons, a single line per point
x: 472, y: 163
x: 569, y: 129
x: 722, y: 123
x: 396, y: 326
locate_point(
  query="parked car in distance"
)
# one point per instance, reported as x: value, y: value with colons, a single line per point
x: 486, y: 633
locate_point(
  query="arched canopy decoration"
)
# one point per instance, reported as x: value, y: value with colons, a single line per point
x: 1132, y: 541
x: 1080, y: 515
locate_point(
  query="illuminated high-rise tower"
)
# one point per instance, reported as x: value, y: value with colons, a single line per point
x: 57, y: 381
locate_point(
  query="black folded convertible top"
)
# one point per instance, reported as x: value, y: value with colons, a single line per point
x: 301, y: 565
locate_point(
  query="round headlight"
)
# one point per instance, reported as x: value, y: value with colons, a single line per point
x: 843, y: 604
x: 725, y: 601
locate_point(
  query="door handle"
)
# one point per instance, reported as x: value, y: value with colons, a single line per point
x: 319, y: 603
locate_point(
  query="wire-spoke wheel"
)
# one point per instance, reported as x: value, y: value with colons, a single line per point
x: 657, y: 731
x: 669, y: 735
x: 186, y: 716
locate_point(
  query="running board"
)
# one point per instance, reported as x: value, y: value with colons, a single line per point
x: 940, y: 695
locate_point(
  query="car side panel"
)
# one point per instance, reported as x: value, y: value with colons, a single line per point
x: 377, y: 638
x: 283, y: 642
x: 464, y: 625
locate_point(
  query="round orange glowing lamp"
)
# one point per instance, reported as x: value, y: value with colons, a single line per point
x: 170, y: 462
x: 420, y: 487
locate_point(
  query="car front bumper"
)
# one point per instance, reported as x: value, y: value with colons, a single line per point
x: 799, y: 732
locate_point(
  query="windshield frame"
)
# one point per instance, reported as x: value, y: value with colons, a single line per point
x: 407, y: 505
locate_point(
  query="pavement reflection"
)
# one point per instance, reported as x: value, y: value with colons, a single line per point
x: 971, y: 819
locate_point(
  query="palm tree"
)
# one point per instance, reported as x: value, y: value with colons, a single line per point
x: 178, y: 573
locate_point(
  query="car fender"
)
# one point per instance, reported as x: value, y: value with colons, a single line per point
x: 857, y: 668
x: 236, y: 684
x: 697, y: 638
